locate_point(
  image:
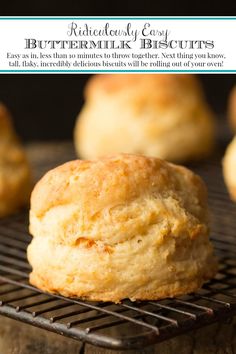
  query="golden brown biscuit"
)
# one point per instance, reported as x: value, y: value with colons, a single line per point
x: 229, y: 168
x: 232, y: 108
x: 165, y: 116
x: 120, y: 227
x: 15, y: 181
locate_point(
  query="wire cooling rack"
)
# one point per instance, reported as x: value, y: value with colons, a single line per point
x: 129, y: 325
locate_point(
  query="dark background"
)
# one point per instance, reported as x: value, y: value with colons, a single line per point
x: 118, y: 8
x: 45, y: 106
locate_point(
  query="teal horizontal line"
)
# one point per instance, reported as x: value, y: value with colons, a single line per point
x: 117, y: 18
x: 117, y: 71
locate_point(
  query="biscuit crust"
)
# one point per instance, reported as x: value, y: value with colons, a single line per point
x: 126, y: 226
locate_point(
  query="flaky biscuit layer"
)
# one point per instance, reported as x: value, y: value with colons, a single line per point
x: 125, y: 226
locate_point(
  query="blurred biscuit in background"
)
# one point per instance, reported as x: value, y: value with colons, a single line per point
x: 229, y: 160
x: 161, y: 115
x: 229, y: 168
x: 232, y: 108
x: 15, y: 177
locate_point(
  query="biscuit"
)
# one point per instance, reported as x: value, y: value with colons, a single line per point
x: 232, y: 108
x: 15, y: 179
x: 126, y: 226
x: 229, y: 168
x: 158, y: 115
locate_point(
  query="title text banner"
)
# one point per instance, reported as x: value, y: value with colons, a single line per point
x: 90, y: 44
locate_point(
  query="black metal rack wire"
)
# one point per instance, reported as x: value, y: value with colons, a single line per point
x: 128, y: 325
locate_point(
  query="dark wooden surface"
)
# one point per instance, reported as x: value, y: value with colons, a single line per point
x: 20, y: 338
